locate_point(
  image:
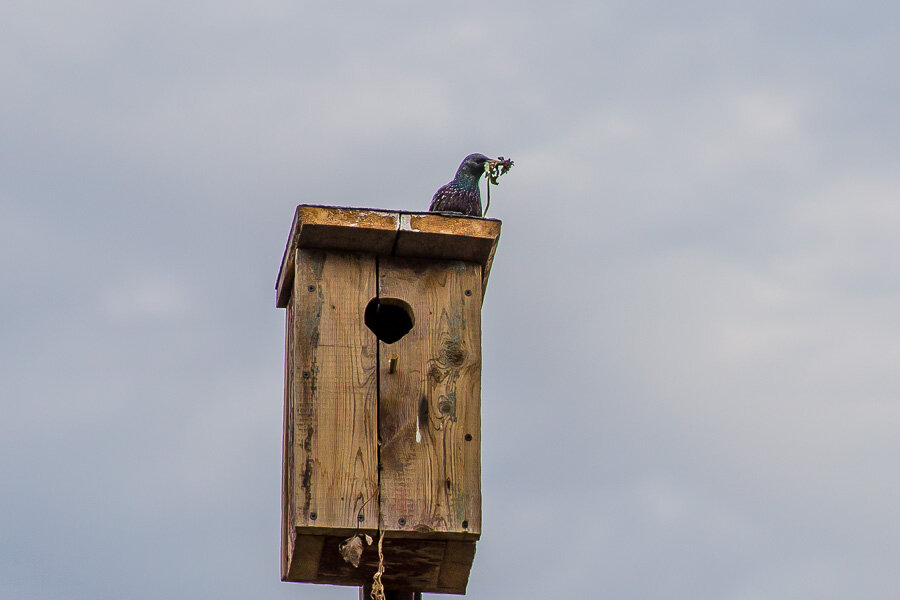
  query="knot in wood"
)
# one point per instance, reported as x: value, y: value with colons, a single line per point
x: 453, y: 353
x: 436, y: 374
x: 447, y: 406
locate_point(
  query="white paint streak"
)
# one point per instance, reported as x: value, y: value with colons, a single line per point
x: 418, y: 431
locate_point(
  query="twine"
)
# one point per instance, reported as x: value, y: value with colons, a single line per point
x: 377, y: 592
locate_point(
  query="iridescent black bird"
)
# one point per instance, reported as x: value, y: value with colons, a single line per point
x: 462, y: 195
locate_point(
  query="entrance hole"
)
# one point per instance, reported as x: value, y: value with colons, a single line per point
x: 389, y: 318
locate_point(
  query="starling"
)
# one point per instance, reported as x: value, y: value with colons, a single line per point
x: 462, y: 195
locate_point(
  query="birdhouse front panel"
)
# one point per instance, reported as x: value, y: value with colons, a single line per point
x: 430, y: 394
x: 383, y: 395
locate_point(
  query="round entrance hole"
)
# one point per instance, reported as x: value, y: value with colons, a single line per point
x: 389, y: 318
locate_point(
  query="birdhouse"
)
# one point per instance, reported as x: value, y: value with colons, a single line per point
x: 382, y: 401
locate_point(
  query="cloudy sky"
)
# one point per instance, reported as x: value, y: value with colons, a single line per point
x: 691, y: 335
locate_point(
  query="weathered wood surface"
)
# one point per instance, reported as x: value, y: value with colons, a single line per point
x: 287, y: 473
x: 428, y: 235
x: 417, y: 565
x: 302, y: 564
x: 430, y: 407
x: 457, y: 563
x: 386, y: 233
x: 335, y: 228
x: 333, y: 378
x: 341, y: 395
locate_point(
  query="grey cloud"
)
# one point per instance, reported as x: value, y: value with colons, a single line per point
x: 690, y: 333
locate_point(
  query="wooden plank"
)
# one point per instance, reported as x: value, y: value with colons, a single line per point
x: 409, y: 564
x: 334, y: 392
x: 287, y: 481
x: 335, y: 228
x: 411, y: 234
x: 305, y: 558
x: 285, y: 280
x: 418, y: 565
x: 430, y: 407
x: 429, y: 235
x: 455, y: 568
x: 338, y: 228
x: 455, y: 230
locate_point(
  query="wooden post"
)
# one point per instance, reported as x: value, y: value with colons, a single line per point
x: 366, y: 591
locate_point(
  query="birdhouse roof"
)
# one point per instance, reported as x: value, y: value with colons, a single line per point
x: 390, y: 233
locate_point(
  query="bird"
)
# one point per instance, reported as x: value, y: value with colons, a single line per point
x: 462, y: 195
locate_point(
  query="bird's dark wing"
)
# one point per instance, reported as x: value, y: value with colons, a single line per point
x: 452, y: 198
x: 442, y: 198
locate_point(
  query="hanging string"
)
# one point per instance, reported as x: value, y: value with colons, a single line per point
x: 377, y: 592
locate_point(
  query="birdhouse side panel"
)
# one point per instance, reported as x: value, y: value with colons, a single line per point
x: 287, y: 481
x: 333, y: 392
x: 430, y: 407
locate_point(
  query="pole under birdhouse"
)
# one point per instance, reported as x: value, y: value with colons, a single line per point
x: 365, y: 593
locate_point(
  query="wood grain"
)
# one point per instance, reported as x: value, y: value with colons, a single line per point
x: 440, y: 236
x: 428, y: 235
x: 287, y: 480
x: 382, y: 232
x: 431, y: 404
x: 335, y: 228
x: 430, y: 564
x: 456, y: 564
x: 307, y: 551
x: 334, y: 392
x: 422, y: 565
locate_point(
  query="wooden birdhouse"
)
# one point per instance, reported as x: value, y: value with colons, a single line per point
x: 382, y: 408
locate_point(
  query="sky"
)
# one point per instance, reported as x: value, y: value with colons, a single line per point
x: 691, y: 337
